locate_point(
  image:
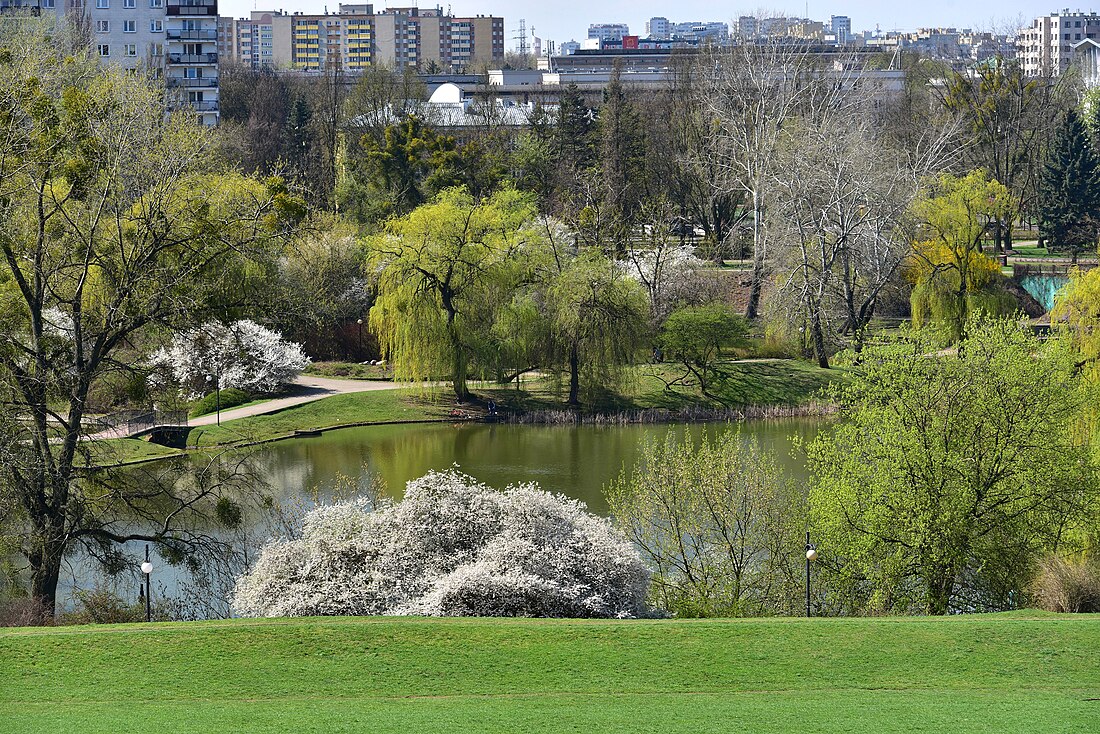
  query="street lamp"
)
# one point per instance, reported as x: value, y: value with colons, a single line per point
x: 360, y: 322
x: 147, y: 569
x: 811, y: 555
x: 216, y: 379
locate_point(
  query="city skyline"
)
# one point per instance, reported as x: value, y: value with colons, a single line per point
x: 569, y: 19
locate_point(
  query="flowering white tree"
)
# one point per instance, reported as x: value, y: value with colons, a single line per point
x: 451, y: 547
x: 243, y: 355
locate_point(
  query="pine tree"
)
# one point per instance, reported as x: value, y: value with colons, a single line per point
x: 1069, y: 190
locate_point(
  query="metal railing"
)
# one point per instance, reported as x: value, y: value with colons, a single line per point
x: 187, y: 34
x: 136, y: 421
x: 207, y: 82
x: 207, y: 58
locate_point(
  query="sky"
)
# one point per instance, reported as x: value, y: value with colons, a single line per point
x: 562, y: 20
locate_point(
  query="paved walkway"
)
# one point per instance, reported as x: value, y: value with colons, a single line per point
x: 307, y: 389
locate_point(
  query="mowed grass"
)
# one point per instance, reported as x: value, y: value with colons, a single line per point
x: 379, y: 406
x: 997, y: 673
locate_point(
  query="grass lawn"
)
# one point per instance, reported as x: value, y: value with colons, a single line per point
x: 756, y: 382
x: 1017, y: 672
x: 378, y: 406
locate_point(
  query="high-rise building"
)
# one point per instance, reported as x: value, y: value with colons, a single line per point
x: 841, y: 26
x: 1046, y: 48
x: 603, y: 32
x: 191, y: 38
x: 658, y: 28
x: 357, y: 36
x: 176, y: 40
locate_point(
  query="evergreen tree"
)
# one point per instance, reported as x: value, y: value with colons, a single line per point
x: 1069, y: 191
x: 622, y: 161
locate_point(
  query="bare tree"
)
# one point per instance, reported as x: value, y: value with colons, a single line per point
x: 752, y: 90
x: 842, y: 229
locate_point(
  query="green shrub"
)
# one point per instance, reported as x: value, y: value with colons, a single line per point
x: 231, y: 397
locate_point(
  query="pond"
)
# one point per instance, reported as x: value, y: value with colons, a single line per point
x: 578, y: 461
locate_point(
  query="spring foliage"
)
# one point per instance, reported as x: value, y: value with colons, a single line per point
x: 451, y: 547
x: 719, y: 524
x: 950, y: 476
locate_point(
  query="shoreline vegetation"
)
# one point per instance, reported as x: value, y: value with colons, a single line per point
x: 1016, y: 671
x: 749, y: 390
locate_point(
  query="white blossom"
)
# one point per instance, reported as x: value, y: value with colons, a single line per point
x: 243, y: 355
x: 451, y: 547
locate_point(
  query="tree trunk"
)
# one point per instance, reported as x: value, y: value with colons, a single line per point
x: 756, y: 281
x: 45, y: 562
x: 574, y: 376
x: 819, y: 341
x: 940, y: 585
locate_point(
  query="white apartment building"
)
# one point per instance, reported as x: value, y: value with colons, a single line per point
x: 172, y: 39
x: 1046, y: 48
x: 658, y: 28
x: 604, y: 32
x: 191, y: 31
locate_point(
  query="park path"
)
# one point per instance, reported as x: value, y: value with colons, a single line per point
x: 308, y: 388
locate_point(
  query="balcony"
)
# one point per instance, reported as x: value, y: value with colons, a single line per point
x: 206, y: 105
x: 192, y: 35
x: 193, y: 59
x: 192, y: 7
x: 202, y: 82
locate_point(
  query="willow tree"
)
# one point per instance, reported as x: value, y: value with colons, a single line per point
x: 442, y: 270
x: 114, y: 221
x: 949, y: 269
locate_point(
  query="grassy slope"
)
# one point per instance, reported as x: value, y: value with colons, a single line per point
x: 1000, y: 673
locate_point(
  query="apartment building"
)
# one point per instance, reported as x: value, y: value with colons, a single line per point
x: 175, y: 40
x: 1046, y: 48
x: 603, y: 32
x: 357, y: 36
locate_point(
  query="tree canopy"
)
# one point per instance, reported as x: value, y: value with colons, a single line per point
x: 948, y: 477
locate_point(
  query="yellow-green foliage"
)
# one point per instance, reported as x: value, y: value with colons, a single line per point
x: 441, y: 269
x: 1077, y: 314
x: 951, y: 276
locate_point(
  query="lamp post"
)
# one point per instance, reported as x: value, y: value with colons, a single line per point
x: 147, y: 569
x: 360, y: 322
x: 811, y: 555
x: 216, y: 379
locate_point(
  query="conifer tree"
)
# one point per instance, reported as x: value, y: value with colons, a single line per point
x: 1069, y: 191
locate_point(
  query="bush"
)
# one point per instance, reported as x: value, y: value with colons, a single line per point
x: 452, y: 547
x: 1065, y: 586
x: 231, y: 397
x: 23, y: 611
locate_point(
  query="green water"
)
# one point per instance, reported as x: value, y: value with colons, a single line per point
x: 575, y: 460
x: 578, y: 461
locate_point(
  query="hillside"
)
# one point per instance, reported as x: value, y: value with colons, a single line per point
x: 1016, y: 672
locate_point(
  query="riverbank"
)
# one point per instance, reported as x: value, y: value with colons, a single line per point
x: 1016, y: 672
x: 744, y: 390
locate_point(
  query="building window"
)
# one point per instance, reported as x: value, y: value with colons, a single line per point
x: 156, y: 3
x: 156, y: 49
x: 103, y: 4
x: 129, y: 26
x: 47, y: 3
x: 156, y: 26
x: 131, y: 49
x: 103, y: 26
x: 103, y: 49
x: 129, y: 4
